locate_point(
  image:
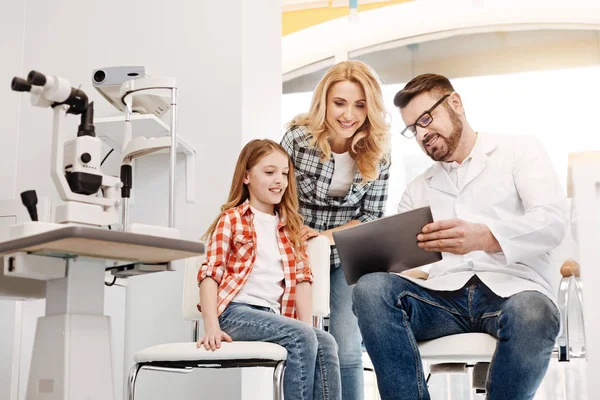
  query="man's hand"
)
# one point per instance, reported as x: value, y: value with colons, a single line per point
x: 457, y: 237
x: 307, y: 233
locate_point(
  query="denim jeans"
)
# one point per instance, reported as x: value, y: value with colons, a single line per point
x: 395, y: 313
x: 344, y: 328
x: 312, y: 369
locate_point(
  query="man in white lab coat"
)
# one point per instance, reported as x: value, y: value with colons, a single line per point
x: 498, y: 210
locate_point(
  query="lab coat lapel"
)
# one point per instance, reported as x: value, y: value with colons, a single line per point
x: 439, y: 179
x: 480, y: 157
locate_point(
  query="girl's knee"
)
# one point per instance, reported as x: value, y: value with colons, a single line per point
x: 326, y: 342
x: 325, y: 337
x: 304, y: 335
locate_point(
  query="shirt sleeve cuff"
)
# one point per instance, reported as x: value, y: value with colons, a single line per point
x: 366, y: 218
x: 304, y: 277
x: 214, y: 272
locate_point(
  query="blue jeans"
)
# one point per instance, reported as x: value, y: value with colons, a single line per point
x: 394, y: 314
x: 344, y: 328
x: 312, y: 369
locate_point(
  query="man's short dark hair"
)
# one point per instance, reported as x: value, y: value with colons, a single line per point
x: 420, y: 84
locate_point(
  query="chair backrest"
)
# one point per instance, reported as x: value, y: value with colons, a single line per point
x: 318, y: 253
x: 191, y: 292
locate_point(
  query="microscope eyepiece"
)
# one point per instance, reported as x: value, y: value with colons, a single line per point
x: 20, y: 85
x: 86, y: 128
x: 36, y: 78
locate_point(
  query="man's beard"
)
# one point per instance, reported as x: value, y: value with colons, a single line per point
x: 451, y: 142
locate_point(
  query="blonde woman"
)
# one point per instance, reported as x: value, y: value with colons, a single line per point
x: 340, y: 151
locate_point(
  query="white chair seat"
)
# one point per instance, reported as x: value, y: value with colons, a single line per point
x: 228, y: 351
x: 461, y: 348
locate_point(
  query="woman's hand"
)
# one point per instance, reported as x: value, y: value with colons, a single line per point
x: 212, y: 339
x: 329, y: 236
x: 307, y: 233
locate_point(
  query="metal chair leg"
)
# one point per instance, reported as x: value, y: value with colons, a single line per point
x: 133, y: 373
x: 277, y: 381
x: 318, y: 322
x: 480, y: 374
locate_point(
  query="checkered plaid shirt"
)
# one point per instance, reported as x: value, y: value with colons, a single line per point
x: 365, y: 201
x: 231, y: 254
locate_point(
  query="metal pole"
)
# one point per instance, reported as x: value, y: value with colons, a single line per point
x: 127, y: 136
x: 173, y: 157
x: 125, y: 214
x: 195, y: 331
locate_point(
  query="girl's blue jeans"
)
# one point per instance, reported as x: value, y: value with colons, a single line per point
x: 312, y: 368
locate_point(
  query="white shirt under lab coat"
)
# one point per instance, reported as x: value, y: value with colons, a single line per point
x: 509, y: 185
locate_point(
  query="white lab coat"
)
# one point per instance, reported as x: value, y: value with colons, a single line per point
x: 511, y: 186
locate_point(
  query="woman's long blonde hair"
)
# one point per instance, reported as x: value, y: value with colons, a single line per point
x: 251, y: 155
x: 370, y: 143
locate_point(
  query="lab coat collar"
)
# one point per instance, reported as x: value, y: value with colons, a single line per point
x: 484, y: 147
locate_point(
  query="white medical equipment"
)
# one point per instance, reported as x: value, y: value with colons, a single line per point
x: 110, y: 81
x: 72, y: 349
x: 75, y: 163
x: 132, y: 91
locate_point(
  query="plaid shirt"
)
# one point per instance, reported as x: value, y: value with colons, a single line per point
x: 231, y: 254
x: 365, y: 201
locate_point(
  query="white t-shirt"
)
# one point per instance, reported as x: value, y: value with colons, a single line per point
x: 343, y: 175
x: 264, y: 286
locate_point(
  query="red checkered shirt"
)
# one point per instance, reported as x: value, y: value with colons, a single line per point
x: 231, y: 254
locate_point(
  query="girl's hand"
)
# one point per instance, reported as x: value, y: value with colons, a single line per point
x: 212, y: 339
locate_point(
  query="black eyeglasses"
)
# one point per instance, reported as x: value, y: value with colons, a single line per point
x: 423, y: 121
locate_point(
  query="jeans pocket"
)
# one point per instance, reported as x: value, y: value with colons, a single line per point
x: 426, y: 301
x: 490, y: 314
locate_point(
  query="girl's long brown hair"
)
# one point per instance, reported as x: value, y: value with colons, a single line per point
x: 251, y: 155
x: 370, y: 144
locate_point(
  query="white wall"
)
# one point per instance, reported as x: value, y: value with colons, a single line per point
x: 7, y: 340
x: 11, y: 47
x: 261, y: 72
x: 226, y: 57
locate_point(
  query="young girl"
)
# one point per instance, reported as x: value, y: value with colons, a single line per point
x: 255, y: 281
